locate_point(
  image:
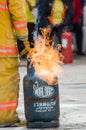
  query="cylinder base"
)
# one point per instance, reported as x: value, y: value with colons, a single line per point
x: 41, y: 124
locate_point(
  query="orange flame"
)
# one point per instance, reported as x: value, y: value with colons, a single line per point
x: 45, y: 59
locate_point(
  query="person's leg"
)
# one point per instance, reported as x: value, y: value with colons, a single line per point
x: 31, y: 28
x: 9, y: 91
x: 59, y: 34
x: 79, y: 36
x: 55, y: 35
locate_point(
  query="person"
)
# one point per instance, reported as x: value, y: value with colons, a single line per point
x: 44, y: 9
x: 13, y: 26
x: 60, y: 17
x: 84, y: 27
x: 77, y: 25
x: 31, y: 22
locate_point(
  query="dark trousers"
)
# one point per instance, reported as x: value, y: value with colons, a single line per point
x: 77, y: 29
x: 57, y: 31
x: 31, y: 29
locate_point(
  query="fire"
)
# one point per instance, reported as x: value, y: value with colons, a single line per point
x: 45, y: 59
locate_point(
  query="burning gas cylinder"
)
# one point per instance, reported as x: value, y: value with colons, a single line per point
x: 41, y: 92
x: 41, y: 102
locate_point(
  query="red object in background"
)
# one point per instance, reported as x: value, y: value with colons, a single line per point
x: 67, y: 47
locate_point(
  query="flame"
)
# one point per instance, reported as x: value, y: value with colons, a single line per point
x: 45, y: 59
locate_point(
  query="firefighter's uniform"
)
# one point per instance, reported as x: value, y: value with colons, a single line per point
x: 13, y: 25
x: 30, y: 16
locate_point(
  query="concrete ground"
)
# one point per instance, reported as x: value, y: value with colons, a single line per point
x: 72, y: 88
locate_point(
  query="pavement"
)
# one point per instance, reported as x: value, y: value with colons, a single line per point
x: 72, y: 89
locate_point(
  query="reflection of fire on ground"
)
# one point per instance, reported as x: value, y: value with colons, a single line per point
x: 45, y: 59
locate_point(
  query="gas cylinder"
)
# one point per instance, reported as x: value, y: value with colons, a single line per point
x: 67, y: 47
x: 41, y: 102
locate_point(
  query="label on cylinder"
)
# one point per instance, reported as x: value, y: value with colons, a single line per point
x: 44, y: 106
x: 43, y: 91
x: 64, y: 43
